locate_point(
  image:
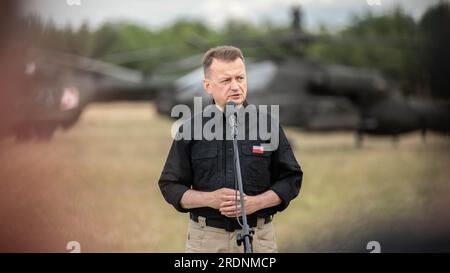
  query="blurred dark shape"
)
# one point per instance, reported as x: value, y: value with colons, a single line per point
x: 404, y: 241
x: 9, y: 79
x: 23, y: 197
x: 296, y: 19
x: 44, y: 102
x: 426, y: 234
x: 397, y: 237
x: 435, y: 28
x: 30, y: 95
x: 55, y: 88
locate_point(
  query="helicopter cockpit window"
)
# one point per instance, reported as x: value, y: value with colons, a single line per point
x: 260, y: 75
x: 193, y: 78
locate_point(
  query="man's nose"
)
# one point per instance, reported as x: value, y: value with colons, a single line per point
x: 234, y: 85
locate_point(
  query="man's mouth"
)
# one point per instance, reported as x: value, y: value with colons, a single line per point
x: 235, y: 96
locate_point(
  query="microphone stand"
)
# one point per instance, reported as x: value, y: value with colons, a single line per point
x: 246, y: 236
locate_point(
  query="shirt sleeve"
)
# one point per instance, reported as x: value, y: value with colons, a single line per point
x: 287, y: 174
x: 176, y: 177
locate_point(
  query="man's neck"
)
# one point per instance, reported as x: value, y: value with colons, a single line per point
x: 221, y: 107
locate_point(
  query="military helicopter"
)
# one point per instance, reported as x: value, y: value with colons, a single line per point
x: 316, y: 96
x: 56, y: 87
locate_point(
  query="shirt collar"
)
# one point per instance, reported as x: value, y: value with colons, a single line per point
x: 238, y: 107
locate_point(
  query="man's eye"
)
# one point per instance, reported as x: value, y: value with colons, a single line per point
x: 225, y: 81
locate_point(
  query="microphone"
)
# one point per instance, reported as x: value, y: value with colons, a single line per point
x: 231, y: 103
x: 230, y: 113
x: 246, y: 236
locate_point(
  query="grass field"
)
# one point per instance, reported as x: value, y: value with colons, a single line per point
x: 97, y: 184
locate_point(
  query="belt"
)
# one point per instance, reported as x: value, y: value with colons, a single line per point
x: 229, y: 225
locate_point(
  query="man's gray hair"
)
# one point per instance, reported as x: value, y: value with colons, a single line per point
x: 222, y: 53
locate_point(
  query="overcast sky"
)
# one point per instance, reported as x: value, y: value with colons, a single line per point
x: 157, y: 13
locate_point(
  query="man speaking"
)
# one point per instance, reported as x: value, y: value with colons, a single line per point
x: 199, y: 174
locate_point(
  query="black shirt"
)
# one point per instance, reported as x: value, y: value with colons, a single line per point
x: 207, y: 165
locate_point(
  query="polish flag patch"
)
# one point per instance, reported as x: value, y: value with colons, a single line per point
x: 258, y: 150
x: 70, y: 99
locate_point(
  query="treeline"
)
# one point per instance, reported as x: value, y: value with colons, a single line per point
x: 415, y: 53
x: 136, y: 46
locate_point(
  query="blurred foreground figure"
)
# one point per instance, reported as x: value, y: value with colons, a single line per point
x: 30, y: 199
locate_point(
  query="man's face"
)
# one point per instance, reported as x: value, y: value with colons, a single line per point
x: 226, y: 81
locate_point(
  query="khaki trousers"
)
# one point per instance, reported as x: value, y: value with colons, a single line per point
x: 205, y: 239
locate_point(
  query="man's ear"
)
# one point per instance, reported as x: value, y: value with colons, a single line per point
x: 207, y: 86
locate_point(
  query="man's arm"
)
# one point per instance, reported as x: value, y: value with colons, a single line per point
x: 176, y: 176
x: 215, y: 199
x: 287, y: 174
x: 265, y: 200
x: 227, y: 201
x: 252, y: 204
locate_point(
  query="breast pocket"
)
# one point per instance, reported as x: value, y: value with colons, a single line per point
x: 205, y: 165
x: 255, y: 167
